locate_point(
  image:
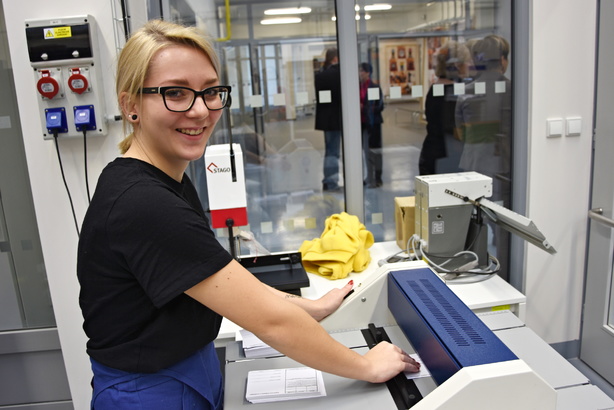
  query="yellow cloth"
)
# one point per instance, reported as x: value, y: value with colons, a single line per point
x: 341, y: 249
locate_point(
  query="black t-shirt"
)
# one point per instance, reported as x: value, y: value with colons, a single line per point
x: 145, y: 240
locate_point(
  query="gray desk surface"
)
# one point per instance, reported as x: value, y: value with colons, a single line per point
x: 342, y: 393
x: 541, y: 357
x: 586, y: 397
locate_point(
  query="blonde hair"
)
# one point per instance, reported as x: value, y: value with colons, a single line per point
x: 135, y: 58
x: 450, y: 55
x: 487, y: 53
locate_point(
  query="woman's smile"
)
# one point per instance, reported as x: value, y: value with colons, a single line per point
x: 191, y: 131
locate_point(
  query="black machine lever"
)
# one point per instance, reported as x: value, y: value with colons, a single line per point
x: 404, y: 391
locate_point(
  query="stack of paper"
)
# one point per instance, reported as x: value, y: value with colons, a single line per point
x: 253, y: 347
x: 284, y: 384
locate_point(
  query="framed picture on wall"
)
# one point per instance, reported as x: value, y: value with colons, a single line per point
x: 401, y: 65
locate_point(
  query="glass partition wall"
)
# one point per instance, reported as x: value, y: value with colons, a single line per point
x: 25, y: 301
x: 435, y: 97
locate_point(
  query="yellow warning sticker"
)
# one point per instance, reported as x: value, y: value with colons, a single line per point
x: 500, y: 307
x: 57, y: 32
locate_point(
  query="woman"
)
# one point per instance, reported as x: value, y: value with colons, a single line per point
x: 371, y: 123
x: 155, y: 283
x: 441, y: 149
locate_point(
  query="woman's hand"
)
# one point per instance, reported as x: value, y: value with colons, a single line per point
x: 331, y: 301
x: 386, y: 361
x: 318, y: 308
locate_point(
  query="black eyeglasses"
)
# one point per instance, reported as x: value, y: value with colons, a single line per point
x: 181, y: 99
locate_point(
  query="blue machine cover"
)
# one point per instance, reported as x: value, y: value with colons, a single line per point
x: 444, y: 331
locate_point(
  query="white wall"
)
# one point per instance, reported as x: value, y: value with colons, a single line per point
x: 562, y: 73
x: 562, y: 76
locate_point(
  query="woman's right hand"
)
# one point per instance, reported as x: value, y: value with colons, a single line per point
x: 386, y: 361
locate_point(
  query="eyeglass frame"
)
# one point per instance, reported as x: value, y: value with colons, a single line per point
x: 162, y: 91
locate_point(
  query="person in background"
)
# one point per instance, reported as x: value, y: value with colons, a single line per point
x: 471, y: 72
x: 441, y: 150
x: 371, y: 121
x: 483, y: 119
x: 155, y: 282
x: 484, y: 124
x: 328, y: 117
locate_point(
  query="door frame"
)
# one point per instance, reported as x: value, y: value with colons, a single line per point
x: 596, y: 337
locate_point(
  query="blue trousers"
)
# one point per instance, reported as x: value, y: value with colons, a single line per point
x: 194, y: 383
x: 332, y: 152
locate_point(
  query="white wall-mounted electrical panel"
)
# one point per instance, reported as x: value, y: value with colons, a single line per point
x: 67, y: 76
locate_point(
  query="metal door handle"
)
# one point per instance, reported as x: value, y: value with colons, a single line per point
x: 596, y: 214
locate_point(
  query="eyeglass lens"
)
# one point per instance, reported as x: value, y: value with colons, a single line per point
x: 182, y: 99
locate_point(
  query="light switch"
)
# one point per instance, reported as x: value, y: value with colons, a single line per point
x: 574, y: 126
x: 555, y: 127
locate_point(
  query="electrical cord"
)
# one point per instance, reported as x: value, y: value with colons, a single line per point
x: 72, y: 207
x: 394, y: 258
x: 463, y: 274
x: 87, y: 184
x: 397, y: 257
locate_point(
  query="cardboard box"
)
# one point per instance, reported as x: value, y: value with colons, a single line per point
x: 404, y: 217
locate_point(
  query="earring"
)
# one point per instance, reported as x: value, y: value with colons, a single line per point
x: 134, y: 117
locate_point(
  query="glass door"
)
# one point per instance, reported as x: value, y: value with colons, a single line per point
x: 25, y: 301
x: 597, y: 339
x: 29, y: 345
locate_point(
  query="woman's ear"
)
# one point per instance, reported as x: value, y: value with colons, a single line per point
x: 127, y: 105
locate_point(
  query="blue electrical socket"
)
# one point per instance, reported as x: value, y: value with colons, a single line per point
x: 85, y: 117
x: 55, y: 120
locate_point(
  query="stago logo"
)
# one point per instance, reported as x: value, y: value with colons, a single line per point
x: 214, y: 169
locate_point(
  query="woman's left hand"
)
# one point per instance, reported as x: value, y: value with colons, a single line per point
x: 331, y: 301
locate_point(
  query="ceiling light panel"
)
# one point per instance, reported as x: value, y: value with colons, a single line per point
x: 289, y: 10
x: 378, y: 6
x: 281, y: 20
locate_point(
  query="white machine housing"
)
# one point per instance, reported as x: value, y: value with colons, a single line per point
x: 227, y: 198
x: 445, y: 205
x: 442, y: 220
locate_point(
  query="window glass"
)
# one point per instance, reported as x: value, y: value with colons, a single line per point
x: 25, y: 301
x: 426, y: 107
x: 443, y: 111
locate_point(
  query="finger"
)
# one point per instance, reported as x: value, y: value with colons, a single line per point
x: 411, y: 365
x: 408, y: 359
x: 412, y: 368
x: 348, y: 288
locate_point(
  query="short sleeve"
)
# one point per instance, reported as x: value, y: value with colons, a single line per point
x: 166, y: 243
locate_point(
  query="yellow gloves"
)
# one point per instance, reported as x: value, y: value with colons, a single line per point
x: 342, y: 248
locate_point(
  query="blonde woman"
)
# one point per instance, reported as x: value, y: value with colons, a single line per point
x: 441, y: 150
